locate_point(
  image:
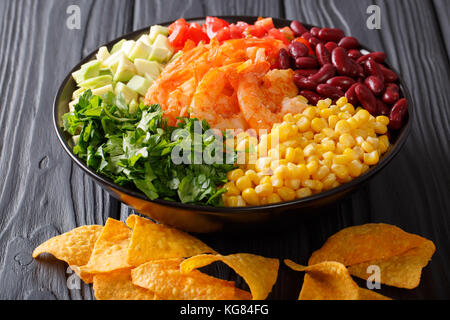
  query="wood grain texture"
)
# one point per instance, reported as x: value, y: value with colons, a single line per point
x: 43, y: 194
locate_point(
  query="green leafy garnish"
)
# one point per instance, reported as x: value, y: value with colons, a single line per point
x: 139, y: 149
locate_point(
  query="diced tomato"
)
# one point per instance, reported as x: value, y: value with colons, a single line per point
x: 256, y: 31
x: 236, y: 32
x: 306, y: 43
x: 178, y: 22
x: 213, y: 25
x: 288, y: 33
x: 277, y: 34
x: 177, y: 37
x: 196, y: 34
x: 188, y: 45
x: 223, y: 34
x: 265, y: 23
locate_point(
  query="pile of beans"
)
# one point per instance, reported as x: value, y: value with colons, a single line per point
x: 329, y: 64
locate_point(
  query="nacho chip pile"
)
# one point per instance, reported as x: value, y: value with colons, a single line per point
x: 398, y: 255
x: 142, y: 260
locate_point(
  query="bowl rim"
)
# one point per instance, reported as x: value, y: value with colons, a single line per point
x: 385, y: 159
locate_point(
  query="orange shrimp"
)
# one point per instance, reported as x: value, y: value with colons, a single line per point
x: 264, y: 95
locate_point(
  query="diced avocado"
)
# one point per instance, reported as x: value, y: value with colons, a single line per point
x: 125, y: 70
x: 103, y: 90
x: 113, y: 61
x: 117, y: 46
x: 128, y: 46
x: 156, y: 30
x: 128, y: 93
x: 87, y: 71
x: 133, y: 106
x: 140, y: 51
x: 160, y: 54
x: 139, y: 84
x: 145, y: 39
x: 102, y: 54
x: 78, y: 93
x: 96, y: 82
x: 72, y: 105
x: 148, y: 69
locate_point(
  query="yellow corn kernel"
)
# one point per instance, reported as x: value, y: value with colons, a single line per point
x: 308, y: 135
x: 312, y: 158
x: 302, y: 99
x: 287, y: 194
x: 281, y: 172
x: 322, y: 104
x: 304, y: 173
x: 341, y: 102
x: 303, y: 193
x: 265, y: 179
x: 303, y: 124
x: 373, y: 141
x: 276, y: 163
x: 253, y: 176
x: 235, y: 201
x: 310, y: 112
x: 383, y: 120
x: 332, y: 121
x: 317, y: 124
x: 293, y: 171
x: 328, y: 181
x: 290, y: 154
x: 362, y: 116
x: 355, y: 168
x: 313, y: 184
x: 273, y: 198
x: 243, y: 183
x: 299, y: 156
x: 335, y: 184
x: 321, y: 173
x: 342, y: 126
x: 341, y: 159
x: 335, y: 109
x: 340, y: 170
x: 347, y: 140
x: 312, y: 167
x: 264, y: 190
x: 328, y: 156
x: 383, y: 144
x: 328, y: 145
x: 344, y: 115
x: 353, y: 123
x: 359, y: 151
x: 276, y: 182
x: 325, y: 113
x: 348, y: 107
x: 371, y: 158
x: 232, y: 190
x: 367, y: 147
x: 339, y: 148
x: 249, y: 195
x: 351, y: 154
x: 288, y: 117
x: 309, y: 150
x: 318, y: 137
x: 365, y: 168
x: 294, y: 184
x: 235, y: 174
x: 263, y: 201
x: 380, y: 128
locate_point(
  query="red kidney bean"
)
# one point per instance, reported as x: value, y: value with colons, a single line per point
x: 391, y: 94
x: 298, y: 28
x: 326, y: 72
x: 312, y: 97
x: 329, y: 91
x: 284, y: 59
x: 306, y: 62
x: 341, y: 82
x: 331, y: 34
x: 398, y: 113
x: 382, y: 108
x: 373, y: 68
x: 354, y: 54
x: 348, y: 43
x: 315, y: 31
x: 306, y: 72
x: 322, y: 54
x: 366, y: 97
x: 313, y: 41
x: 375, y: 84
x: 330, y: 45
x: 389, y: 75
x: 377, y: 56
x: 306, y: 35
x: 298, y: 49
x: 344, y: 65
x: 304, y: 83
x: 351, y: 95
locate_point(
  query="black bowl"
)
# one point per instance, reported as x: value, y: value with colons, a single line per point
x: 195, y: 218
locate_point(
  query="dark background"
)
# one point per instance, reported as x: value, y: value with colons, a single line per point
x: 43, y: 194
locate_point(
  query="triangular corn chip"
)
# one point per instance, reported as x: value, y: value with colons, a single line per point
x: 399, y: 255
x: 165, y: 279
x: 260, y: 273
x: 151, y: 241
x: 74, y: 247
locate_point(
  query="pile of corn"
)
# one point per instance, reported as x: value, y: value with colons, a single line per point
x: 323, y: 147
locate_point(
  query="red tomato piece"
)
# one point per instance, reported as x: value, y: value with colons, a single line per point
x: 256, y: 31
x: 196, y: 34
x: 265, y: 23
x: 177, y: 37
x: 277, y: 34
x: 236, y: 31
x: 223, y: 34
x: 213, y: 25
x: 178, y: 22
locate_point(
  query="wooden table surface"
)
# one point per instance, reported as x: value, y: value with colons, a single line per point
x: 42, y: 193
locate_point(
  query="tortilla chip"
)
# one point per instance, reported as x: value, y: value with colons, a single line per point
x: 117, y: 285
x: 330, y: 280
x: 110, y: 250
x: 400, y: 255
x: 165, y: 279
x: 151, y: 241
x: 260, y: 273
x: 74, y: 247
